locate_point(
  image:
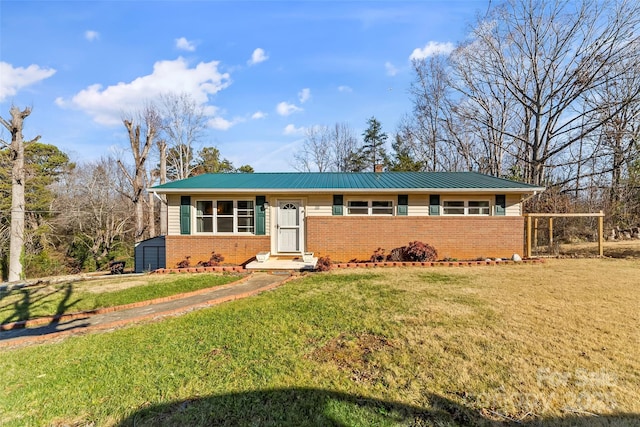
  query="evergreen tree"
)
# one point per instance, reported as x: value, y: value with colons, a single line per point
x: 403, y: 160
x: 374, y: 151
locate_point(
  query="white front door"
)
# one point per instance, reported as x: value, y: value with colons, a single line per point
x: 289, y: 229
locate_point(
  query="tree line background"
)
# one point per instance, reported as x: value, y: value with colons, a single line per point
x: 545, y: 92
x: 81, y: 216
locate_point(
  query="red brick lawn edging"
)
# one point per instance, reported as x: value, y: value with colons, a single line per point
x: 236, y: 268
x: 434, y: 263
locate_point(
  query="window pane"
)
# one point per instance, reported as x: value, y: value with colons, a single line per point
x: 225, y: 224
x: 225, y: 207
x: 204, y: 208
x: 205, y: 225
x: 478, y: 204
x: 244, y: 222
x: 453, y: 207
x: 358, y: 211
x: 454, y: 211
x: 381, y: 207
x: 358, y: 207
x: 245, y: 204
x: 479, y: 208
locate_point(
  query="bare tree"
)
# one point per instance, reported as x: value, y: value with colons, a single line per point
x: 328, y: 149
x: 427, y: 132
x: 147, y: 122
x: 97, y: 217
x: 18, y: 178
x: 183, y: 123
x: 315, y: 154
x: 485, y: 114
x: 548, y: 55
x: 344, y: 144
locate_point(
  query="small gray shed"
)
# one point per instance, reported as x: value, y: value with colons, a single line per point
x: 150, y: 254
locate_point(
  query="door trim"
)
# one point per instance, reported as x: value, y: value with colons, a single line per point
x: 301, y: 226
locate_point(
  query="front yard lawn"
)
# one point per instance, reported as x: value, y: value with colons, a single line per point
x: 551, y: 344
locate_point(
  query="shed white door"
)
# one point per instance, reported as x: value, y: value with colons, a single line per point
x: 288, y: 225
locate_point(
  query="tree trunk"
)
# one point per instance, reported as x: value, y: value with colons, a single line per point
x: 164, y: 216
x: 152, y: 216
x: 16, y: 243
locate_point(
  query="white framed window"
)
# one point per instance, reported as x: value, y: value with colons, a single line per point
x: 370, y: 207
x: 225, y: 216
x: 466, y: 207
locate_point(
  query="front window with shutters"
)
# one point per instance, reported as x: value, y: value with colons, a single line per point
x: 466, y: 207
x: 370, y: 207
x: 225, y: 216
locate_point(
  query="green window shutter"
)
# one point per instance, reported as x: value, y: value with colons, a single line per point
x: 185, y: 215
x: 403, y: 204
x: 338, y: 202
x: 501, y: 205
x: 261, y: 217
x: 434, y: 204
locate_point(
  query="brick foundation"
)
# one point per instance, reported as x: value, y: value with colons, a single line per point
x: 235, y: 249
x: 346, y: 238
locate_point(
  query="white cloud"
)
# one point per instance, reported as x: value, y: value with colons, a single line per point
x: 220, y: 123
x: 257, y: 57
x: 91, y: 35
x: 292, y: 130
x: 14, y: 79
x: 184, y: 44
x: 391, y: 70
x: 258, y: 115
x: 106, y: 105
x: 344, y: 89
x: 432, y: 48
x: 284, y: 108
x: 304, y: 95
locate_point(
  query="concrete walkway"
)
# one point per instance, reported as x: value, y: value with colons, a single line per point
x: 80, y: 323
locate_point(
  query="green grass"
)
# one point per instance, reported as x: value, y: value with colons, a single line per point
x: 542, y: 344
x: 39, y: 301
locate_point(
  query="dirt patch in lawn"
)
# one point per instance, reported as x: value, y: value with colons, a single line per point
x: 356, y: 354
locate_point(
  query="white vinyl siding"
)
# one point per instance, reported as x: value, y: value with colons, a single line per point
x: 173, y: 214
x: 514, y: 207
x: 319, y: 204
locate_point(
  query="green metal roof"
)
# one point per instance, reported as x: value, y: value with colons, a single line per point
x: 316, y: 182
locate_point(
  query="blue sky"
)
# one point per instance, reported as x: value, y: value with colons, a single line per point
x: 264, y: 70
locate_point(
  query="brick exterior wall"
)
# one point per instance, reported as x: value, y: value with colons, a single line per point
x: 235, y: 249
x: 345, y: 238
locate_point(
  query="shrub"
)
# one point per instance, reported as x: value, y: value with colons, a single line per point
x: 397, y: 254
x: 323, y: 264
x: 378, y: 255
x: 184, y: 263
x: 215, y: 259
x: 418, y: 251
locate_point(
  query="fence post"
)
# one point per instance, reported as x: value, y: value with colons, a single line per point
x: 528, y: 236
x: 601, y: 233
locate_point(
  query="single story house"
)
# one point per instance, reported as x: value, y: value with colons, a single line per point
x: 345, y: 216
